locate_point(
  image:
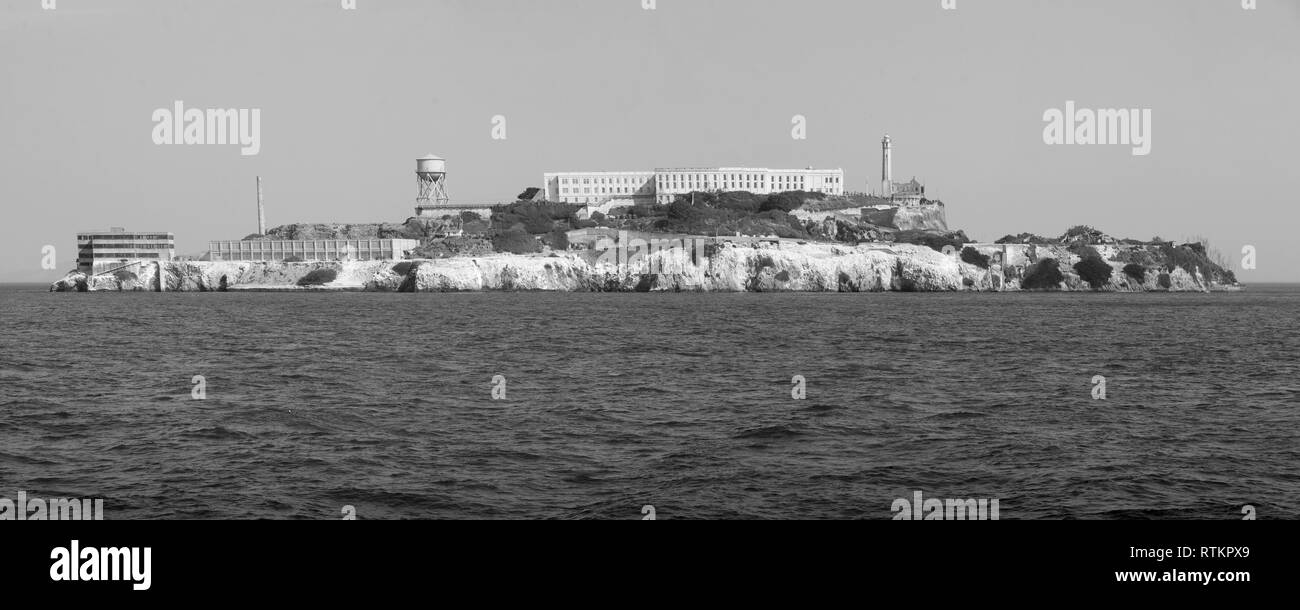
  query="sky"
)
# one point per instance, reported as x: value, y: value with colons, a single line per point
x: 349, y: 98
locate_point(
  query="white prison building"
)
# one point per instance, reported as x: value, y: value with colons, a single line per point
x: 664, y: 184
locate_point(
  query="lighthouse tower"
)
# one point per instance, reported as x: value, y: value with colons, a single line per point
x: 886, y: 167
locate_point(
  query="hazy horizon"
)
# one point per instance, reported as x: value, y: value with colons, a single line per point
x: 349, y: 98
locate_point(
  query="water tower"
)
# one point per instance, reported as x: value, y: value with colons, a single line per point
x: 431, y: 174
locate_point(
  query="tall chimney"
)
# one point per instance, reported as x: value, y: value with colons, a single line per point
x: 886, y: 167
x: 261, y: 212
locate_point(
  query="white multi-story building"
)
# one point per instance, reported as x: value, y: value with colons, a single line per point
x: 101, y: 250
x: 599, y: 187
x: 664, y: 184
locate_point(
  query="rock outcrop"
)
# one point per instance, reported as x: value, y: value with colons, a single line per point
x: 764, y: 267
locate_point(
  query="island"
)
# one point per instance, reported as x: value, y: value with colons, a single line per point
x: 716, y: 241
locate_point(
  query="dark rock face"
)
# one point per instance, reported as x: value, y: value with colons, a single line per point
x: 409, y: 277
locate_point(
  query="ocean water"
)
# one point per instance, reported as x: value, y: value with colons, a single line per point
x: 384, y: 402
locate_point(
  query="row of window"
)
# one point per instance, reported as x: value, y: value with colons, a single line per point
x: 570, y: 194
x: 621, y: 180
x: 121, y: 236
x: 610, y: 190
x: 695, y: 177
x: 121, y: 255
x: 742, y: 177
x: 314, y: 256
x: 268, y: 252
x: 127, y: 246
x: 269, y: 246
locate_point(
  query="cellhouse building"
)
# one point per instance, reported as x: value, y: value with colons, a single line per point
x: 104, y: 251
x: 664, y: 184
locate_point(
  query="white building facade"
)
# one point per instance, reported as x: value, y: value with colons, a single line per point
x: 312, y: 249
x: 599, y: 187
x: 98, y: 251
x: 664, y: 184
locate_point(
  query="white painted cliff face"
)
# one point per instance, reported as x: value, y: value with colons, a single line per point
x: 449, y: 275
x: 133, y: 278
x: 1182, y: 281
x: 917, y: 218
x: 385, y: 279
x: 923, y: 269
x: 357, y: 274
x: 980, y: 280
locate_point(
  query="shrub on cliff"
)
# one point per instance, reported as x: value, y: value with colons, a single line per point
x: 1025, y: 238
x: 974, y: 257
x: 739, y: 201
x: 447, y: 247
x: 936, y: 241
x: 516, y: 241
x: 680, y: 209
x: 1082, y: 234
x: 318, y: 276
x: 647, y: 210
x: 557, y: 240
x: 1044, y: 275
x: 1140, y: 256
x: 1095, y: 271
x: 1084, y: 251
x: 782, y: 201
x: 536, y: 223
x: 1192, y: 259
x: 123, y: 275
x: 1137, y: 272
x: 537, y: 217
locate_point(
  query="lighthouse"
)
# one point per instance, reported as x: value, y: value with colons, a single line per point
x: 886, y: 167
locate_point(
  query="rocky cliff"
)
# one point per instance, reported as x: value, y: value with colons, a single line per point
x: 909, y: 218
x: 785, y: 266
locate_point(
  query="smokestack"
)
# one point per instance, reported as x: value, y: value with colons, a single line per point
x: 261, y: 212
x: 886, y: 167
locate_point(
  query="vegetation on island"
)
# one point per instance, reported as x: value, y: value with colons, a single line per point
x: 318, y: 277
x: 1043, y: 275
x: 1137, y: 272
x: 975, y: 257
x: 534, y: 225
x: 1138, y: 257
x: 1095, y: 271
x: 938, y: 241
x: 515, y: 241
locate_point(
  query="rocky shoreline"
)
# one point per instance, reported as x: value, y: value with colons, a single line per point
x: 766, y: 267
